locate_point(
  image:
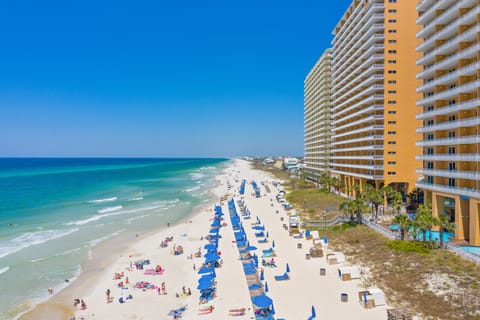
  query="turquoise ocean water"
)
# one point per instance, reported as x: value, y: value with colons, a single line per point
x: 53, y: 212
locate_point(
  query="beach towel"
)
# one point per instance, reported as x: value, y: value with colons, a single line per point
x: 153, y: 272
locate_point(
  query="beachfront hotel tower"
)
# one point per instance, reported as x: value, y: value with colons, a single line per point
x: 317, y: 117
x: 449, y: 109
x: 374, y: 95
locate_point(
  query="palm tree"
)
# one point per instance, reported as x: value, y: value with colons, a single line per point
x: 425, y: 219
x: 357, y: 205
x: 445, y: 225
x: 374, y: 197
x: 403, y: 222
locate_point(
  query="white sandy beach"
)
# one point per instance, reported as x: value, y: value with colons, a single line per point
x: 292, y: 299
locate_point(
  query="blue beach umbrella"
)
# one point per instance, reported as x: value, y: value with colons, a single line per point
x: 262, y: 301
x: 212, y: 256
x: 210, y: 246
x: 267, y: 234
x: 204, y: 285
x: 273, y: 244
x: 266, y: 286
x: 288, y: 268
x: 215, y: 223
x: 314, y: 314
x: 262, y: 276
x: 205, y: 270
x: 272, y: 311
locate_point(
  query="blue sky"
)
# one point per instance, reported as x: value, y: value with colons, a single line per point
x: 158, y: 78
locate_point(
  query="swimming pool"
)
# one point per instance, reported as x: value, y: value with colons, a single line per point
x: 393, y: 227
x: 435, y: 234
x: 471, y: 249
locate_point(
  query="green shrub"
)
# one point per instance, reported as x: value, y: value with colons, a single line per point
x: 421, y: 248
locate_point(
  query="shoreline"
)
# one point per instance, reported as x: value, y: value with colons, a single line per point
x: 59, y: 306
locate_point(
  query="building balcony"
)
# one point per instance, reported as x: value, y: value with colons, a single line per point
x: 449, y: 141
x: 361, y: 139
x: 450, y: 93
x: 358, y: 166
x: 430, y: 11
x: 449, y: 125
x: 355, y: 76
x: 469, y: 175
x: 466, y: 157
x: 359, y: 148
x: 367, y: 110
x: 358, y: 175
x: 369, y: 157
x: 449, y: 190
x: 340, y: 91
x: 369, y: 129
x: 365, y: 94
x: 369, y: 119
x: 470, y: 69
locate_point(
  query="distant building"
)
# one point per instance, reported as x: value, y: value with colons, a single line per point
x: 290, y: 163
x: 317, y: 117
x: 450, y: 109
x: 268, y: 161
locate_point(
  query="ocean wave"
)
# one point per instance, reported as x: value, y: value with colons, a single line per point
x: 192, y: 189
x: 103, y: 200
x: 94, y: 242
x: 197, y: 175
x: 115, y: 213
x: 33, y: 238
x: 110, y: 209
x: 5, y: 269
x: 129, y: 221
x: 135, y: 199
x: 165, y: 203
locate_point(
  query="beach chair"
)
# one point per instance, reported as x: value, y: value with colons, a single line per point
x: 236, y: 312
x: 260, y: 234
x: 266, y: 251
x: 282, y: 277
x: 263, y: 240
x: 298, y: 236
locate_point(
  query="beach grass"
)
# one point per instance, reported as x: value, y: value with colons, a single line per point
x: 436, y: 284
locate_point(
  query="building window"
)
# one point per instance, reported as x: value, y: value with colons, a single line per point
x: 392, y: 133
x: 451, y: 150
x: 392, y: 20
x: 392, y: 10
x: 452, y: 102
x: 429, y: 165
x: 451, y: 134
x: 392, y: 163
x: 451, y: 166
x: 430, y: 179
x: 392, y: 71
x: 392, y: 91
x: 392, y: 31
x: 451, y: 118
x: 430, y: 136
x: 392, y: 142
x: 392, y: 41
x: 430, y: 108
x: 451, y: 182
x: 392, y: 81
x: 392, y: 153
x: 392, y: 122
x: 392, y: 112
x: 392, y: 1
x: 430, y: 122
x: 430, y: 151
x: 392, y: 51
x: 391, y: 173
x: 392, y: 102
x: 392, y: 61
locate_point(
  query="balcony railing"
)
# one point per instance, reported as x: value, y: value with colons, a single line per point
x: 366, y: 138
x: 449, y: 77
x: 449, y: 141
x: 446, y: 189
x: 367, y: 110
x: 359, y: 148
x: 358, y: 175
x: 470, y: 175
x: 369, y: 157
x: 358, y: 166
x: 353, y: 132
x: 448, y: 125
x: 367, y: 120
x: 450, y: 93
x: 467, y: 157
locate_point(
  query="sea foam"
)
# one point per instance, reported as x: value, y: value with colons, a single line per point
x: 5, y: 269
x: 33, y: 238
x: 103, y: 200
x: 110, y: 209
x: 135, y: 199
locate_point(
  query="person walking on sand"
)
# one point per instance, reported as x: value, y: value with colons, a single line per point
x: 108, y: 295
x: 164, y: 288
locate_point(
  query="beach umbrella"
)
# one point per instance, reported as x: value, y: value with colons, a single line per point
x: 212, y: 256
x: 262, y: 301
x: 273, y: 244
x: 204, y: 285
x: 250, y: 248
x: 214, y: 230
x: 258, y: 219
x: 215, y: 223
x: 254, y: 286
x: 314, y: 314
x: 262, y: 276
x: 267, y: 234
x: 288, y: 268
x: 210, y: 246
x: 272, y: 311
x: 266, y: 286
x: 205, y: 270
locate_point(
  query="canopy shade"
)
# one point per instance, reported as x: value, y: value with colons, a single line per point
x: 262, y: 301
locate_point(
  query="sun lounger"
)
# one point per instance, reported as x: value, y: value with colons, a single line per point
x: 270, y: 250
x: 282, y: 277
x: 263, y: 240
x: 260, y: 234
x: 236, y: 312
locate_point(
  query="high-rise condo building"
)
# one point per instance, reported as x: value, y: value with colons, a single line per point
x: 374, y: 95
x: 317, y: 117
x: 450, y: 71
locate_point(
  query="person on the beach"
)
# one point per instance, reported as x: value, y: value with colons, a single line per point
x: 83, y: 305
x: 194, y: 268
x: 189, y: 292
x: 164, y: 288
x: 184, y: 290
x: 108, y: 295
